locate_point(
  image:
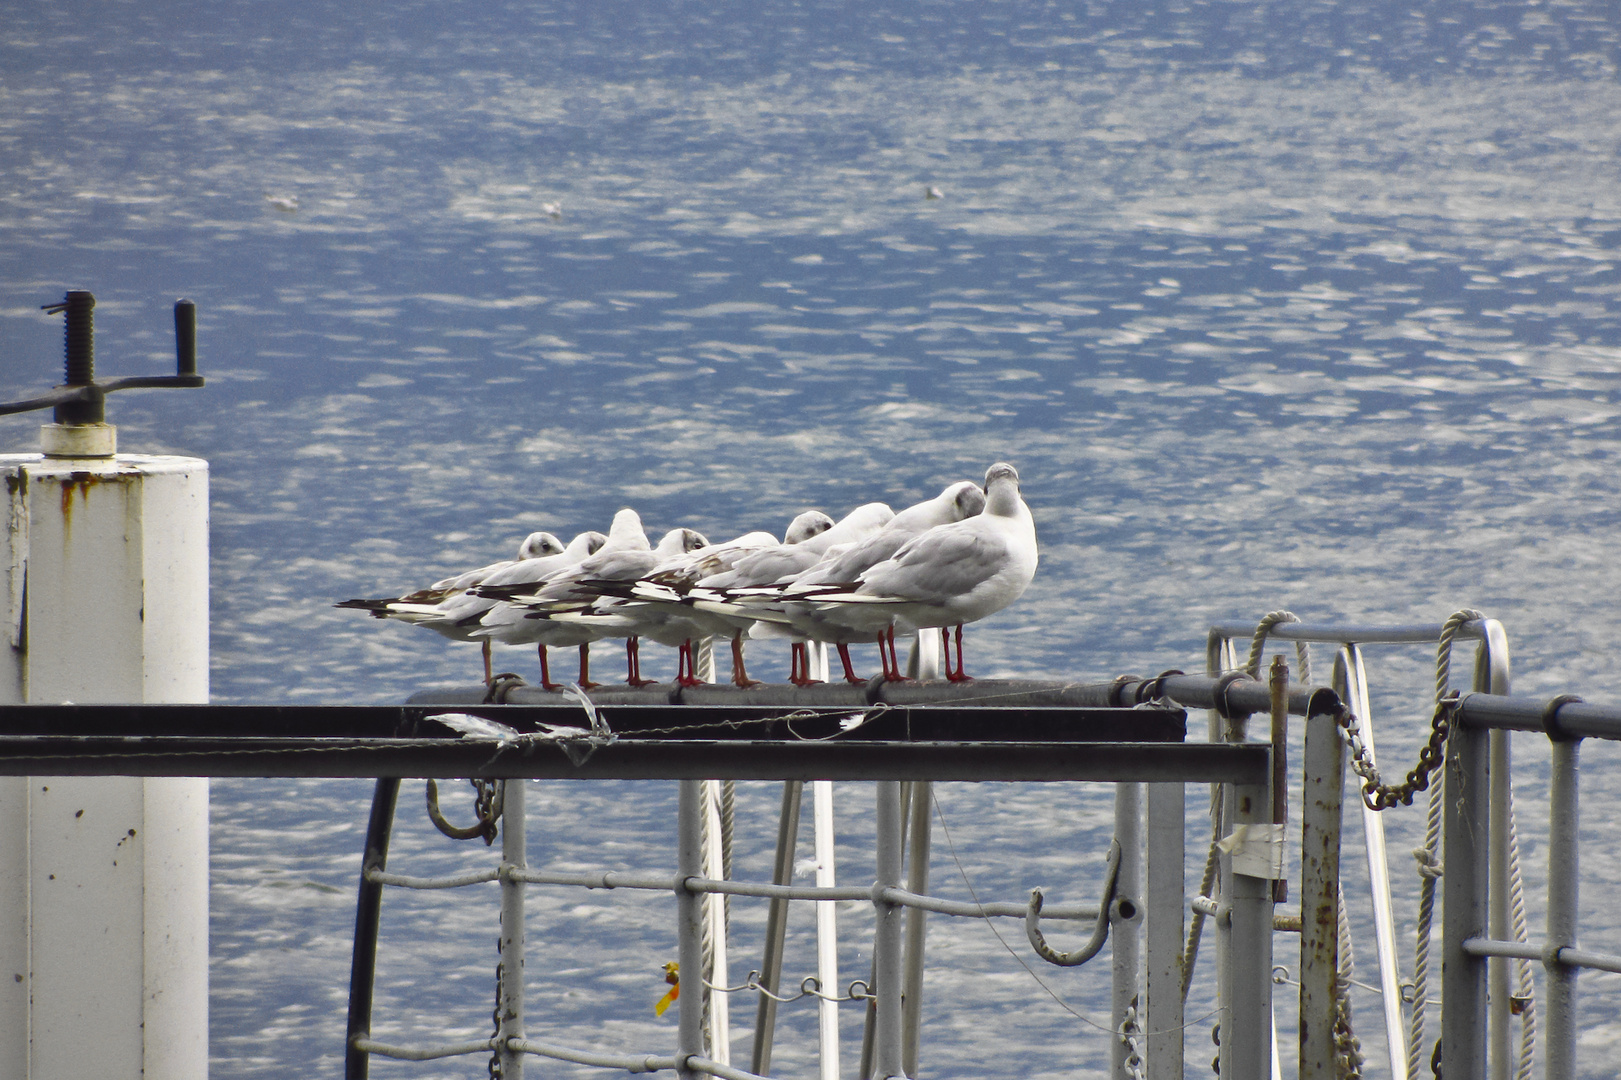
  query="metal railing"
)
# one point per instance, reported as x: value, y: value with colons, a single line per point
x: 1054, y: 732
x: 891, y: 1046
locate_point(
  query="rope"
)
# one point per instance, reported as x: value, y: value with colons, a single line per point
x: 1252, y: 666
x: 1524, y: 1000
x: 1348, y: 1056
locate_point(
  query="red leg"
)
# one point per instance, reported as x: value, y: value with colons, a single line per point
x: 850, y: 675
x: 800, y: 675
x: 545, y: 673
x: 633, y: 661
x: 585, y: 669
x: 740, y: 673
x: 893, y: 661
x: 958, y: 675
x: 686, y: 664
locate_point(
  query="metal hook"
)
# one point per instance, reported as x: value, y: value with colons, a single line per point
x: 1100, y: 933
x: 488, y: 804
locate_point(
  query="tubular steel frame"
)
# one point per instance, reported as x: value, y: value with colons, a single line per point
x: 908, y: 737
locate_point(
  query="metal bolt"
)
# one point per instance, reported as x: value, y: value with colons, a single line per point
x: 79, y: 338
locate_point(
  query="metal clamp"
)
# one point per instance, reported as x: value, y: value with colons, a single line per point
x: 1100, y: 933
x: 81, y: 399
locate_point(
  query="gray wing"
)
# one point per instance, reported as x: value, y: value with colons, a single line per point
x: 938, y: 565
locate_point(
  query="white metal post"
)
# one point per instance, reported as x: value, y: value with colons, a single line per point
x: 1126, y: 917
x: 104, y: 881
x: 1352, y: 677
x: 690, y: 930
x: 1564, y: 864
x: 1167, y: 903
x: 514, y: 859
x: 887, y: 935
x: 720, y: 1015
x: 827, y: 928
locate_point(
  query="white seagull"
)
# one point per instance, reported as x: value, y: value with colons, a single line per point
x: 527, y: 615
x: 424, y: 606
x: 781, y: 615
x: 950, y: 575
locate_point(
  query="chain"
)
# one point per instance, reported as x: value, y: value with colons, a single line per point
x: 1378, y: 795
x: 1348, y: 1056
x: 496, y: 1071
x: 1130, y: 1029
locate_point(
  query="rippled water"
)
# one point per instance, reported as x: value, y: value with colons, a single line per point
x: 1306, y: 307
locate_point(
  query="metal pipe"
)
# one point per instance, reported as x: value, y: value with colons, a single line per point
x: 888, y: 934
x: 424, y: 1053
x: 368, y: 916
x: 776, y: 927
x: 689, y: 926
x: 1463, y: 910
x: 1491, y: 676
x: 510, y: 1026
x: 1246, y: 1033
x: 1323, y: 791
x: 1125, y: 918
x: 706, y: 1067
x: 185, y: 337
x: 635, y: 1063
x: 1415, y: 633
x: 628, y: 759
x: 919, y: 835
x: 1166, y: 852
x: 1563, y: 886
x: 827, y: 929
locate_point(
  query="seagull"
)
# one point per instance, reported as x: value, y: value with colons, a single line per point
x: 782, y: 615
x: 425, y: 607
x: 655, y: 607
x: 529, y: 614
x: 949, y: 575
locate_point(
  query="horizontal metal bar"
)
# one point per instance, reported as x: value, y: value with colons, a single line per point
x: 1576, y: 719
x: 729, y: 718
x: 636, y: 1063
x: 1581, y: 958
x: 613, y: 879
x: 1521, y: 950
x: 725, y: 1072
x: 600, y: 879
x: 633, y: 759
x: 1518, y: 950
x: 432, y: 1053
x: 963, y: 909
x: 1415, y: 633
x: 405, y: 881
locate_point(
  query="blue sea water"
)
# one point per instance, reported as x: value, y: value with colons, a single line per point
x: 1306, y: 306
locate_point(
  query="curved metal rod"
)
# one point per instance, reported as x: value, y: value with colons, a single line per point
x: 368, y: 913
x: 484, y: 827
x: 1100, y: 934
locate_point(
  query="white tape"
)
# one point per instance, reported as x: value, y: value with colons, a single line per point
x: 1257, y: 850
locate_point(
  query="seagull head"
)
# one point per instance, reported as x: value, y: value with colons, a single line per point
x: 810, y: 523
x: 539, y: 544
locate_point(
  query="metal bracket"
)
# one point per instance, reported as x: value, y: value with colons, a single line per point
x: 82, y: 400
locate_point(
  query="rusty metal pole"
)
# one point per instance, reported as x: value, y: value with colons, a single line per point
x: 1319, y: 894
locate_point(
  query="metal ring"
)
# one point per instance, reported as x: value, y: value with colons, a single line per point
x: 1119, y: 684
x: 1550, y: 717
x: 1224, y: 684
x: 1154, y: 688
